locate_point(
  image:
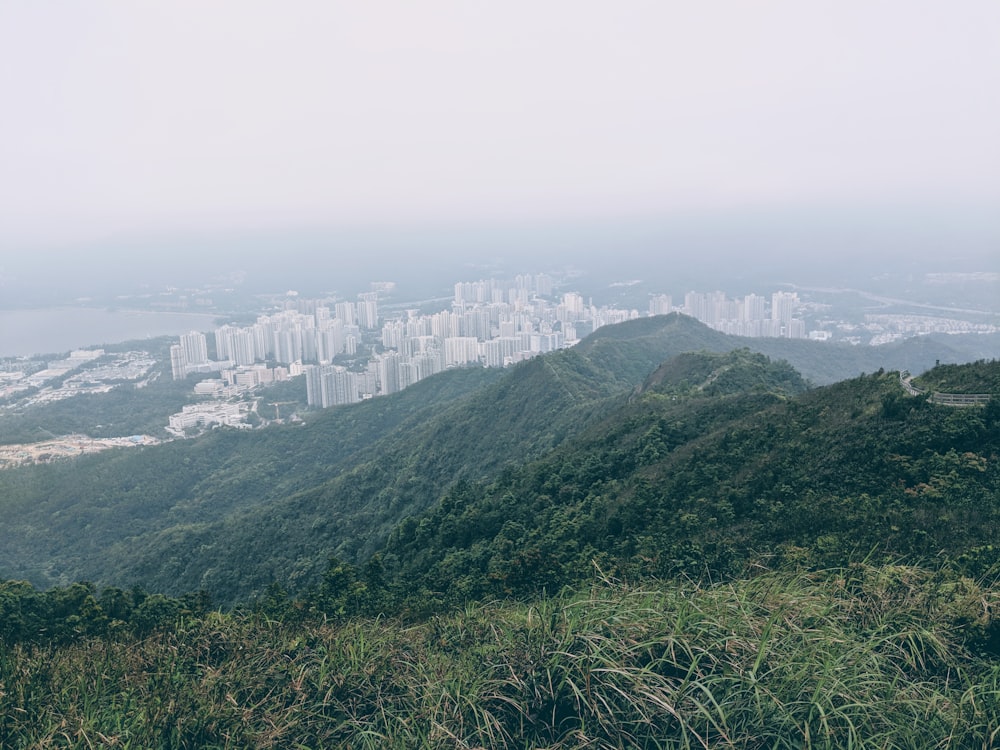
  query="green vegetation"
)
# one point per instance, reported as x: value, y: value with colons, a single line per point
x: 132, y: 515
x: 232, y: 512
x: 618, y: 546
x: 739, y: 371
x: 712, y: 486
x: 864, y: 657
x: 282, y: 400
x: 983, y: 375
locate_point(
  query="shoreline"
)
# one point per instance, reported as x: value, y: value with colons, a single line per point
x: 38, y: 331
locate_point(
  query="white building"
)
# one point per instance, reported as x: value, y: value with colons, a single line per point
x: 195, y: 347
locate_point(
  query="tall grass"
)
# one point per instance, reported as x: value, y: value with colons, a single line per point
x: 867, y: 657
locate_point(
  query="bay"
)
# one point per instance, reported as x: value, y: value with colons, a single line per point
x: 56, y: 330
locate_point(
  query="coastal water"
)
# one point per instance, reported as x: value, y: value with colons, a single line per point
x: 61, y: 329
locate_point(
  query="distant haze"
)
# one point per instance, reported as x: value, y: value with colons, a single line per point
x: 162, y: 140
x: 737, y: 252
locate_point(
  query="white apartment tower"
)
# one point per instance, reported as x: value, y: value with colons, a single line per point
x: 661, y: 304
x: 345, y: 311
x: 178, y: 365
x: 388, y: 373
x: 783, y: 306
x: 460, y: 350
x: 195, y: 347
x: 368, y: 311
x: 753, y: 307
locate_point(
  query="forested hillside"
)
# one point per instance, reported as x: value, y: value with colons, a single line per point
x: 714, y: 485
x: 83, y: 519
x: 975, y: 377
x: 710, y: 554
x: 231, y: 512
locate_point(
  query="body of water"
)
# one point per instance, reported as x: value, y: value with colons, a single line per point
x: 55, y: 330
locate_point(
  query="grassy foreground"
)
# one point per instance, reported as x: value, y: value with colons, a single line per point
x: 879, y: 657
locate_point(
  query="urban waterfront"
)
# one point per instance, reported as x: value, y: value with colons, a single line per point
x: 56, y: 330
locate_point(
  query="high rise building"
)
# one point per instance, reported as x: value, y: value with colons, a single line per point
x: 796, y: 329
x: 195, y: 347
x: 223, y: 335
x: 508, y: 328
x: 287, y: 346
x: 571, y: 308
x: 330, y: 340
x: 263, y: 338
x: 367, y: 310
x: 783, y: 306
x: 178, y: 364
x: 345, y: 311
x: 476, y: 323
x: 329, y: 385
x: 661, y: 304
x: 444, y: 324
x: 753, y: 307
x: 314, y: 384
x: 388, y: 372
x: 492, y: 353
x: 696, y: 305
x: 460, y: 350
x: 543, y: 285
x: 365, y: 383
x: 393, y: 333
x: 241, y: 347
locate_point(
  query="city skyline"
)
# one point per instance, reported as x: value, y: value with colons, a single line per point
x: 490, y: 323
x: 347, y: 350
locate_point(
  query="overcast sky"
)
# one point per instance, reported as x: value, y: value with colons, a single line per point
x: 140, y: 118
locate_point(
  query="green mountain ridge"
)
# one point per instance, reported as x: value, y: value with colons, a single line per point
x: 702, y: 553
x: 233, y: 512
x: 716, y: 485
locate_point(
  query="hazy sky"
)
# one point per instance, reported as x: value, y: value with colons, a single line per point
x: 138, y: 118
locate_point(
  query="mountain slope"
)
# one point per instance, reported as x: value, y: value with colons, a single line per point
x: 699, y: 484
x: 63, y: 520
x: 522, y: 416
x: 232, y: 512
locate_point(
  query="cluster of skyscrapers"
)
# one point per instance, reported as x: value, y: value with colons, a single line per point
x: 490, y: 323
x: 746, y: 316
x: 307, y: 332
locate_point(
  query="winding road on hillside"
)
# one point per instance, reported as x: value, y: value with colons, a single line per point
x: 944, y: 399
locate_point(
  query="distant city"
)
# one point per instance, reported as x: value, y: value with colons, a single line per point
x: 352, y: 350
x: 349, y: 350
x: 491, y: 323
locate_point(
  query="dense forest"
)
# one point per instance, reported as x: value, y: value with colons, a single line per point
x: 645, y: 541
x: 976, y: 377
x: 232, y: 512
